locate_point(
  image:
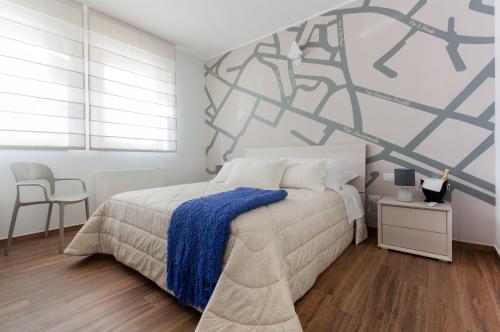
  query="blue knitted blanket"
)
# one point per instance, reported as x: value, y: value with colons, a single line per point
x: 197, y: 237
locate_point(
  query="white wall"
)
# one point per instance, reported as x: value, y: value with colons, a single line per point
x: 187, y: 165
x: 384, y: 115
x: 497, y: 132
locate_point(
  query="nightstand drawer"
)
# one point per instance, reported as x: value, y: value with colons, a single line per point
x: 426, y: 220
x: 414, y: 239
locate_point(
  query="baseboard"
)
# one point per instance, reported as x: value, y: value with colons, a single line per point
x: 474, y: 242
x: 40, y: 234
x: 497, y: 251
x: 474, y: 245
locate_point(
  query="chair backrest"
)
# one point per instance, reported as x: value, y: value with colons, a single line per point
x: 33, y: 171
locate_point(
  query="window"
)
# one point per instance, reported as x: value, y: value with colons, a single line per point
x: 132, y: 89
x: 45, y: 61
x: 41, y: 74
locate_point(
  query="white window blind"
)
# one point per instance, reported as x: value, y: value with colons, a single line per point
x: 132, y: 87
x: 41, y: 74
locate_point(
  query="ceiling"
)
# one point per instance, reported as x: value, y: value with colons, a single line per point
x: 208, y: 28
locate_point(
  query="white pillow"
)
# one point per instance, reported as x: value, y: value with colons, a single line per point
x: 305, y: 174
x: 227, y: 168
x: 338, y: 173
x: 258, y: 173
x: 225, y: 171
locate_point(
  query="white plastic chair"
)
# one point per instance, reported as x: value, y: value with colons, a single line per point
x: 39, y: 175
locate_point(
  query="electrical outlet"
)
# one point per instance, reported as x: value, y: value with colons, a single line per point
x: 373, y: 198
x: 372, y: 204
x: 388, y: 177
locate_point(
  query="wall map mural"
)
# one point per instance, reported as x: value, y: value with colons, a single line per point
x: 414, y: 79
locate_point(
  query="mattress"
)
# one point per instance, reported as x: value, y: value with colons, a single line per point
x: 273, y: 256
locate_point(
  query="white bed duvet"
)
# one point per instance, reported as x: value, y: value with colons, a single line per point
x: 273, y: 256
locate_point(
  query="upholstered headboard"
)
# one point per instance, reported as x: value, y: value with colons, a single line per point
x: 354, y: 153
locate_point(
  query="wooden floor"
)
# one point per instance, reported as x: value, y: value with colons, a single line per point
x: 366, y: 289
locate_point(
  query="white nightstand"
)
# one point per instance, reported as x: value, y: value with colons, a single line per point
x: 415, y: 228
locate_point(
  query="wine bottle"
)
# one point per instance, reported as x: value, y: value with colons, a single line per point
x: 445, y: 175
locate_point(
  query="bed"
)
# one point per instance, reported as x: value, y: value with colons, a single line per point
x: 274, y: 253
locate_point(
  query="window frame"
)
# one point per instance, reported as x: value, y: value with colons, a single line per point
x: 171, y: 120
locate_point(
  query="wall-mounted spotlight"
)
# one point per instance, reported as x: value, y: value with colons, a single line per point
x: 295, y: 54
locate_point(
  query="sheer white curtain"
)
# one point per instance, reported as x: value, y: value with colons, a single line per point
x: 132, y: 87
x: 130, y: 73
x: 41, y: 74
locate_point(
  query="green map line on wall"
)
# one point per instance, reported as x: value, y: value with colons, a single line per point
x: 470, y: 184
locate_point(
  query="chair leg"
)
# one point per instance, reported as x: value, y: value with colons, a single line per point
x: 61, y: 228
x: 87, y: 208
x: 11, y: 229
x: 49, y: 214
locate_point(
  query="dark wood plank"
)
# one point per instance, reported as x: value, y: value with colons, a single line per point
x: 444, y: 311
x: 308, y: 305
x: 380, y: 300
x: 416, y: 270
x: 362, y: 271
x: 480, y: 313
x: 490, y: 267
x: 365, y: 289
x: 356, y: 300
x: 328, y: 317
x: 409, y: 311
x: 334, y: 275
x: 104, y: 315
